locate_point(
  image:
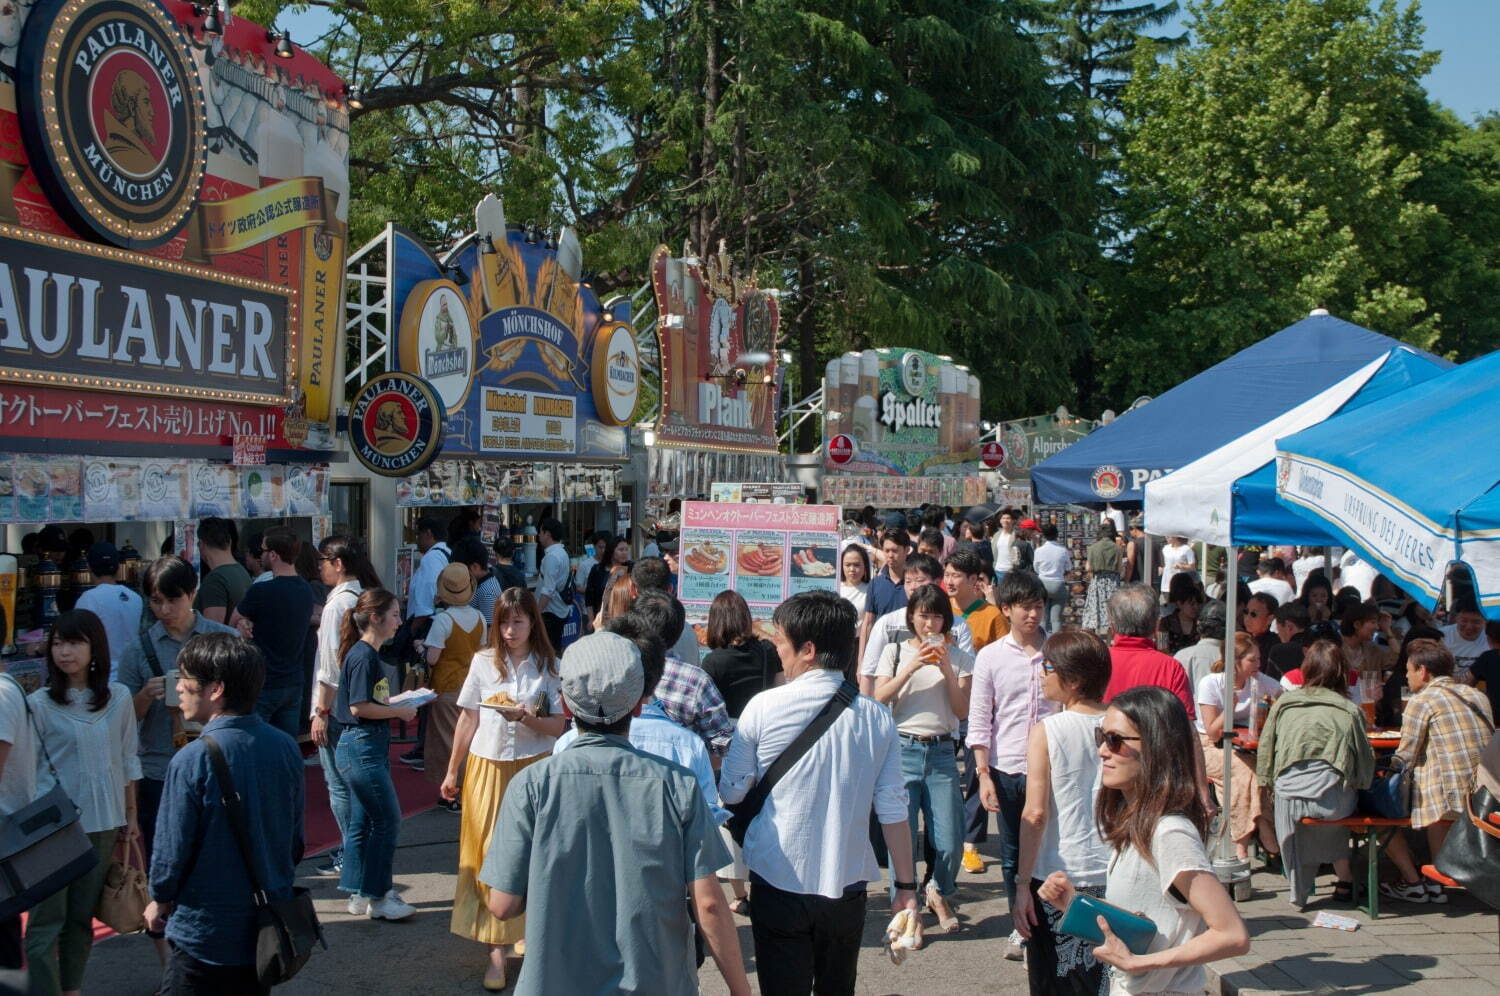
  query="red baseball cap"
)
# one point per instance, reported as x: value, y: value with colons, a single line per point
x: 1029, y: 524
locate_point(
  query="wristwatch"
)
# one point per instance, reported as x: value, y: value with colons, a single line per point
x: 906, y: 886
x: 325, y: 713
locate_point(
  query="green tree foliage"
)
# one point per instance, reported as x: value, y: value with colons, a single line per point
x: 1091, y: 43
x: 1287, y: 160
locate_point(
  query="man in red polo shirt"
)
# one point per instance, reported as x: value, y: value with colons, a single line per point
x: 1133, y: 656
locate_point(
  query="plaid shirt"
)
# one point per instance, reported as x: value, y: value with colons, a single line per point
x: 1445, y: 729
x: 692, y: 700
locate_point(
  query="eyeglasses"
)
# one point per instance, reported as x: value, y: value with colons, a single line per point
x: 1114, y: 741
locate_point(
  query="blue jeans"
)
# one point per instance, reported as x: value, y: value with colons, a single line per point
x: 1057, y: 598
x: 282, y: 708
x: 338, y: 789
x: 932, y: 791
x: 363, y: 759
x: 1012, y: 792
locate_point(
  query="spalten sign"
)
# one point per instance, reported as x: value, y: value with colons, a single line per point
x: 395, y: 424
x: 899, y: 411
x: 717, y: 335
x: 515, y: 343
x: 211, y: 177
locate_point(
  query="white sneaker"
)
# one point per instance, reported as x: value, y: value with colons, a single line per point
x: 1435, y: 893
x: 358, y: 905
x: 1015, y: 947
x: 392, y: 907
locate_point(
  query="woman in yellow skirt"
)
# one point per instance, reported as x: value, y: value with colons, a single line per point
x: 511, y: 706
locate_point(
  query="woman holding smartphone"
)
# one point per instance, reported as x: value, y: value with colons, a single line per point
x: 363, y: 757
x: 1150, y: 813
x: 510, y: 712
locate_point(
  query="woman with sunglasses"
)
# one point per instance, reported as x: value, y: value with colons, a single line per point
x: 1057, y: 824
x: 1150, y: 813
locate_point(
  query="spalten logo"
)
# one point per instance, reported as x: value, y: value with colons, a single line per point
x: 395, y: 424
x: 116, y: 134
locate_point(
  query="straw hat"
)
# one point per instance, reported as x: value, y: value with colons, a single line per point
x: 455, y: 586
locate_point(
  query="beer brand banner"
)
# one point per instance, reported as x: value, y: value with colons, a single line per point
x: 1030, y: 441
x: 519, y: 348
x: 717, y: 335
x: 126, y: 124
x: 902, y: 412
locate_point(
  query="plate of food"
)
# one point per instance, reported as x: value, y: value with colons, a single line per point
x: 760, y: 560
x: 815, y: 563
x: 500, y: 702
x: 706, y: 558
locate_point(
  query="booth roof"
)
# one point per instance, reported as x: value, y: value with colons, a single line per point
x: 1206, y: 411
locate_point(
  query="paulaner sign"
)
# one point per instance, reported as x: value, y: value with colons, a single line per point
x: 76, y: 315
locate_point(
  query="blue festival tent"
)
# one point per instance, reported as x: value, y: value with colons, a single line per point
x: 1228, y: 497
x: 1412, y: 484
x: 1114, y: 462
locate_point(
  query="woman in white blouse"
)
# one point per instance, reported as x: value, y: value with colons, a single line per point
x: 854, y: 576
x: 511, y: 706
x: 86, y: 724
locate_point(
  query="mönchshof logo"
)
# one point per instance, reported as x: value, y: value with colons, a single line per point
x: 396, y: 424
x: 116, y: 131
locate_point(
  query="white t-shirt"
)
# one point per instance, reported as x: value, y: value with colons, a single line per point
x: 1303, y: 566
x: 554, y: 575
x: 1144, y: 887
x: 18, y: 783
x: 921, y: 707
x: 442, y: 624
x: 498, y: 739
x: 1465, y: 652
x: 119, y: 609
x: 891, y: 628
x: 1275, y: 587
x: 1175, y: 559
x: 1052, y: 561
x: 1211, y: 693
x: 1004, y: 546
x: 854, y: 594
x: 1355, y: 573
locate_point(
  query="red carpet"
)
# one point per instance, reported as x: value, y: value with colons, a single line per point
x: 414, y: 792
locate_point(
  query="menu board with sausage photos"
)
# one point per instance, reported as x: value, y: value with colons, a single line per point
x: 767, y: 553
x: 1077, y: 527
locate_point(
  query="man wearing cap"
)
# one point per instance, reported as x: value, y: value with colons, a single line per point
x: 277, y: 615
x: 117, y: 607
x: 456, y: 635
x: 599, y: 845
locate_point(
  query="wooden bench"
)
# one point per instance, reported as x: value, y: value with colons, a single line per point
x: 1366, y: 830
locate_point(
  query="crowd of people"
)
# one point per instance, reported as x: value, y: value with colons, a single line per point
x: 624, y: 798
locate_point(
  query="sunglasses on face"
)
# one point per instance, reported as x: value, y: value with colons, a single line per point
x: 1114, y: 741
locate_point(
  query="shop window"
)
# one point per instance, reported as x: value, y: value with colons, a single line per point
x: 349, y: 506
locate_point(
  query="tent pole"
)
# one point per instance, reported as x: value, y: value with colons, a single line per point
x: 1225, y: 843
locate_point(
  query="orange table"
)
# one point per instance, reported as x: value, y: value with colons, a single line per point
x: 1379, y: 739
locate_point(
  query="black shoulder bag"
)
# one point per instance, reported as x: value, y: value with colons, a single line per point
x: 286, y: 929
x: 744, y: 812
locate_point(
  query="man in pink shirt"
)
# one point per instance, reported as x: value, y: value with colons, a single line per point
x: 1005, y: 702
x: 1134, y: 659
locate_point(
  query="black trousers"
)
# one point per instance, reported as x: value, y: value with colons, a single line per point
x: 187, y: 976
x: 554, y: 626
x: 806, y: 944
x: 12, y: 948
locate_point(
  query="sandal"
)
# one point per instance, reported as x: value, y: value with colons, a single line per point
x: 938, y: 906
x: 1343, y: 892
x: 740, y: 906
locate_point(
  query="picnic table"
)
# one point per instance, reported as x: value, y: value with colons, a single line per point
x: 1380, y: 740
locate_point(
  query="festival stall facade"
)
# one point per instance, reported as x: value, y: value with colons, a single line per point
x: 173, y: 205
x: 511, y: 390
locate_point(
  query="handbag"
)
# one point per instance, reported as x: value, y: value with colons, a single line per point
x: 286, y: 929
x: 1081, y: 920
x: 122, y: 903
x: 42, y: 845
x: 744, y: 812
x: 1470, y: 854
x: 1389, y: 795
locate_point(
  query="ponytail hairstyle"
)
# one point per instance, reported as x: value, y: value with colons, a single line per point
x: 1168, y: 781
x: 521, y: 602
x: 372, y: 603
x: 353, y: 560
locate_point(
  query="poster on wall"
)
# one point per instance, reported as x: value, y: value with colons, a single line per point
x: 527, y: 361
x: 717, y: 336
x: 778, y: 493
x: 765, y: 552
x: 111, y: 489
x: 222, y: 163
x: 902, y: 412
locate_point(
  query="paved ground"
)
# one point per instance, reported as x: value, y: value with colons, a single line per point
x: 1447, y: 950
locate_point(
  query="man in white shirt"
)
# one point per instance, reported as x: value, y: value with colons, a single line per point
x: 1308, y: 561
x: 435, y: 556
x: 117, y: 607
x: 1465, y: 639
x: 1004, y: 542
x: 1052, y: 561
x: 17, y: 790
x: 552, y: 579
x: 919, y: 569
x: 593, y: 554
x: 1268, y: 580
x: 807, y: 893
x: 1355, y: 573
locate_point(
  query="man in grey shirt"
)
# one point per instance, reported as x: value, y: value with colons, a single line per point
x: 605, y: 896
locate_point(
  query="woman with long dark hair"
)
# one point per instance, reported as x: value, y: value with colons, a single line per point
x: 854, y: 576
x: 363, y: 757
x: 87, y: 728
x: 1150, y: 813
x: 1317, y: 597
x: 510, y: 716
